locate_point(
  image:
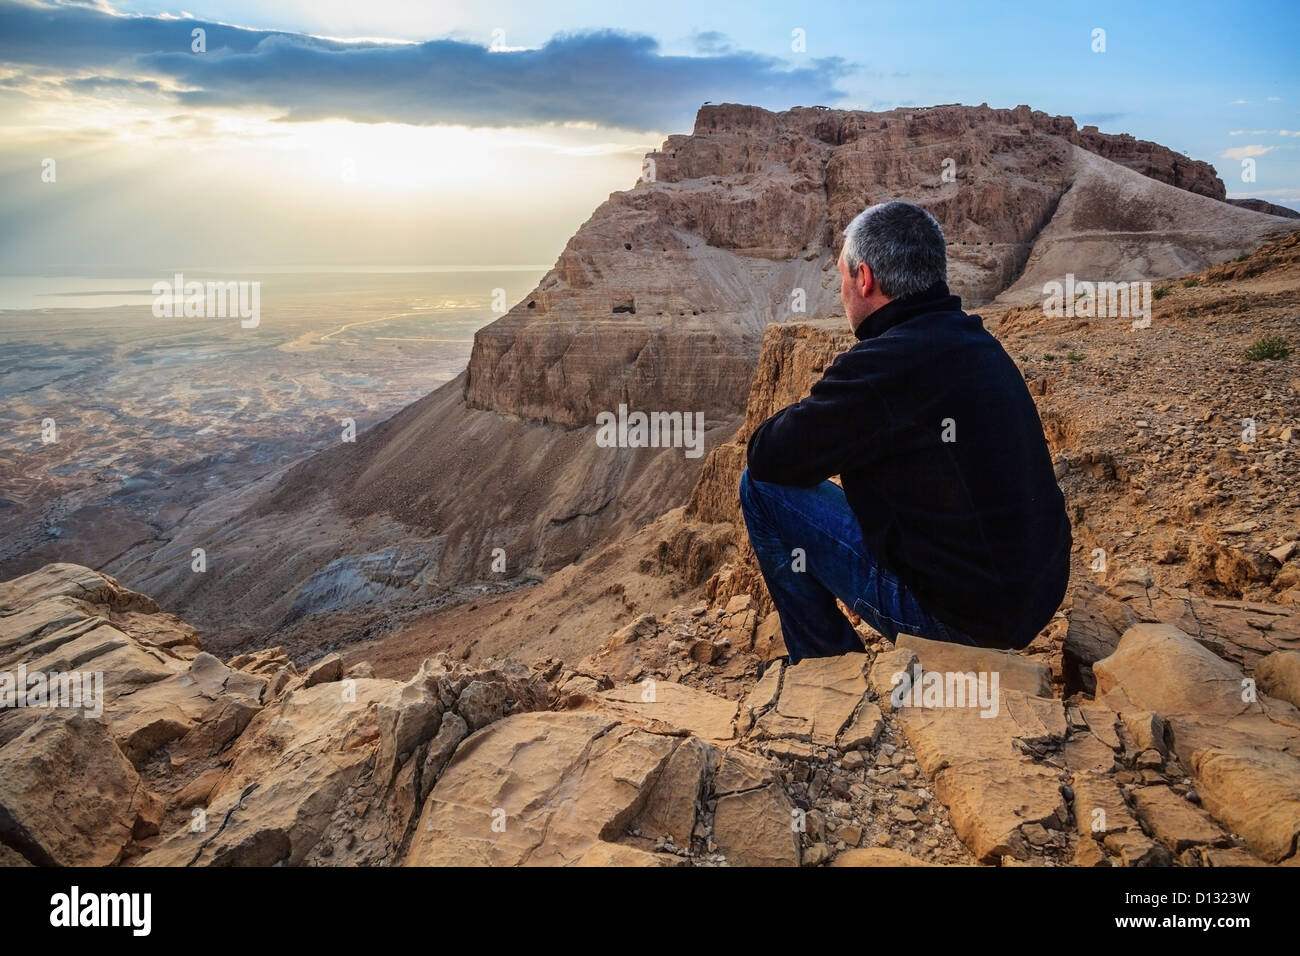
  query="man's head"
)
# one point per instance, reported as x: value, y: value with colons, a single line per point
x: 890, y: 250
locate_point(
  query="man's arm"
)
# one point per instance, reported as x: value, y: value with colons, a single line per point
x: 822, y: 435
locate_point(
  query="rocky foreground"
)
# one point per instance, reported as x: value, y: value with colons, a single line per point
x: 1187, y: 751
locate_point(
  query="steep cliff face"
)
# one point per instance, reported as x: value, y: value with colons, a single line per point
x: 660, y: 299
x: 1152, y: 159
x: 1116, y: 225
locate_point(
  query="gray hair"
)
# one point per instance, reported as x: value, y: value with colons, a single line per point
x: 901, y: 244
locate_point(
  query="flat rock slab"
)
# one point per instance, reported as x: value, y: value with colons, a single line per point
x: 877, y: 856
x: 864, y: 729
x: 1255, y: 793
x: 886, y: 671
x: 673, y: 709
x: 817, y: 699
x: 539, y: 788
x: 1084, y: 752
x: 1014, y: 672
x: 671, y: 805
x: 973, y: 747
x: 761, y: 697
x: 1175, y: 822
x: 757, y: 828
x: 1099, y: 806
x: 742, y: 770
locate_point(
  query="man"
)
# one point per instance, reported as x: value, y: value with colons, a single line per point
x: 950, y: 524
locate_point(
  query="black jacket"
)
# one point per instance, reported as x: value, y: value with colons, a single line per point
x: 975, y: 527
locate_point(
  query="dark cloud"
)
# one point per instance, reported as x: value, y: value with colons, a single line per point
x: 605, y: 77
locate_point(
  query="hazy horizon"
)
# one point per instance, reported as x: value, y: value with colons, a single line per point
x: 21, y: 293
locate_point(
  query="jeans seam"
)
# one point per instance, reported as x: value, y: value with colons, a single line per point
x: 902, y: 626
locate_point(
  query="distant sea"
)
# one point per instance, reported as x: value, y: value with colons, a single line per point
x: 433, y: 287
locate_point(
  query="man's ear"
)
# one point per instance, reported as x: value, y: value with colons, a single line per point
x: 864, y: 280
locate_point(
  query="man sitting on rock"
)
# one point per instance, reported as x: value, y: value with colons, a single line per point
x: 950, y: 524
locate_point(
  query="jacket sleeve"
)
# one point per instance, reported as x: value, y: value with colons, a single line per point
x: 821, y: 435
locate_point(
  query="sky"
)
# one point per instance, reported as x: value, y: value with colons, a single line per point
x: 321, y: 133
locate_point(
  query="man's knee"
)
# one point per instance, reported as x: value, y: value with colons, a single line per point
x: 746, y: 491
x: 751, y: 495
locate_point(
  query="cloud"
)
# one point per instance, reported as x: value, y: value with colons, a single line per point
x: 1096, y: 119
x: 1238, y: 102
x: 711, y: 42
x: 1265, y: 132
x: 1244, y: 152
x: 99, y: 84
x: 1278, y: 195
x: 605, y: 77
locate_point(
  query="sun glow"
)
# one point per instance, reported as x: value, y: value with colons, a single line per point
x: 141, y: 177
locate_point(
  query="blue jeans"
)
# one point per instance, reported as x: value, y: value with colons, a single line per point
x: 833, y: 562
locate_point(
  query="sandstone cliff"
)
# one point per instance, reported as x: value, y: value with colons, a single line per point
x: 1268, y: 208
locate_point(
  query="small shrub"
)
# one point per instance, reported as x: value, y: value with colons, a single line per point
x: 1159, y: 292
x: 1074, y: 357
x: 1268, y: 347
x: 1191, y: 283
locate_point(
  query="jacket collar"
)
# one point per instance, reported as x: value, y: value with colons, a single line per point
x: 937, y: 298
